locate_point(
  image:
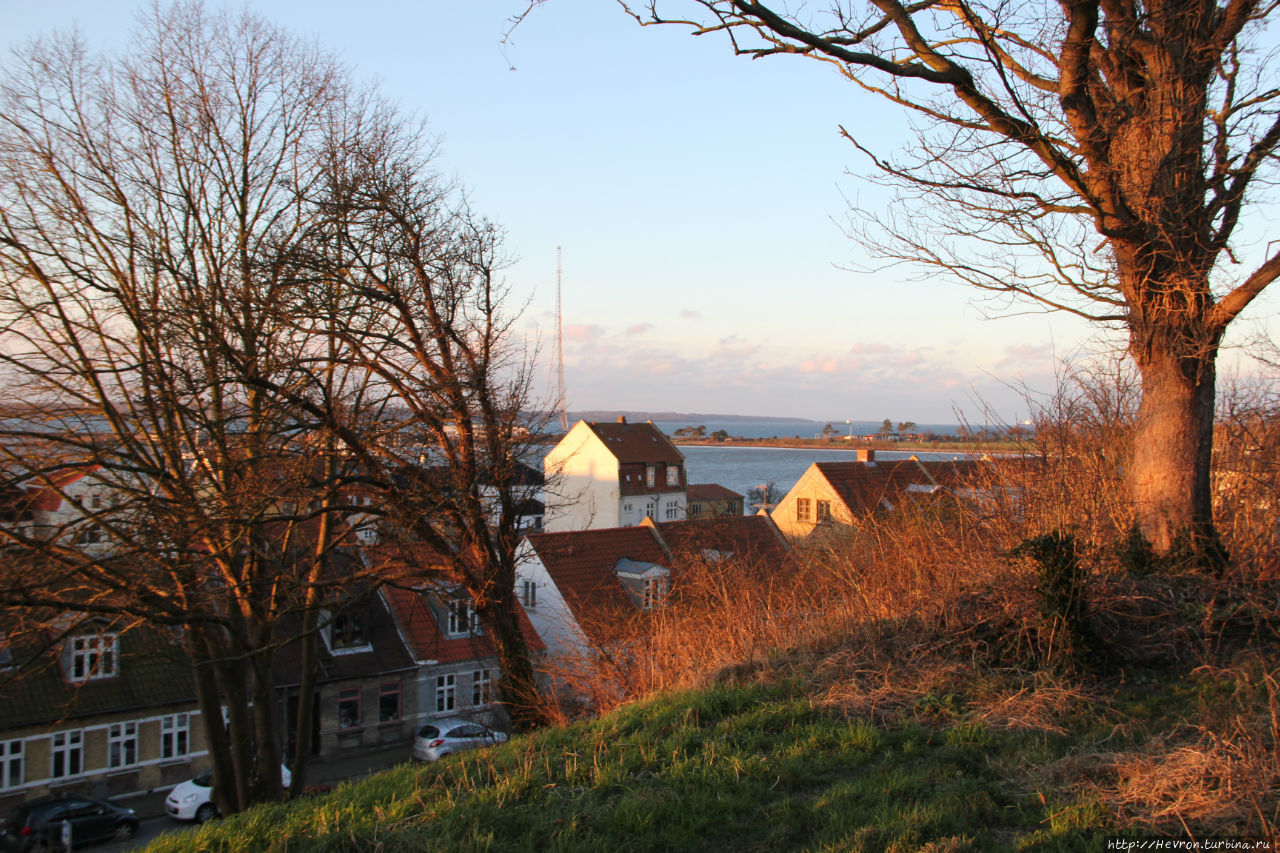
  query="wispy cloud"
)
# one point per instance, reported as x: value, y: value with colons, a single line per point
x: 639, y: 328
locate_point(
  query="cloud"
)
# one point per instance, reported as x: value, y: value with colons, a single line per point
x: 690, y: 314
x: 581, y: 332
x: 1020, y: 355
x: 639, y: 328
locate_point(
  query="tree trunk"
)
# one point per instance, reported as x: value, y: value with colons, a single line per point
x: 518, y: 687
x: 1172, y: 454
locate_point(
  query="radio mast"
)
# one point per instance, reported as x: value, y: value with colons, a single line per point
x: 562, y: 405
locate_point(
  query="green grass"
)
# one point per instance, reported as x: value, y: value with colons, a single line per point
x: 729, y: 768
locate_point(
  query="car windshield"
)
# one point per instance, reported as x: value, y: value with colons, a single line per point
x: 204, y: 780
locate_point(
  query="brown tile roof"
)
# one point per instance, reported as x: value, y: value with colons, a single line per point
x: 387, y: 653
x: 866, y: 486
x: 154, y: 672
x: 749, y: 537
x: 636, y: 442
x: 581, y: 563
x: 44, y: 492
x: 712, y: 492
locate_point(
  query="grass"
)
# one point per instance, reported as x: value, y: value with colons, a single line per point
x: 852, y: 745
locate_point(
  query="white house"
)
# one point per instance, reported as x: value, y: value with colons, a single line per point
x: 575, y: 585
x: 604, y: 475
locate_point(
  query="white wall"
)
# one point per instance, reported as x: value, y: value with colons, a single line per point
x: 582, y: 490
x: 551, y: 616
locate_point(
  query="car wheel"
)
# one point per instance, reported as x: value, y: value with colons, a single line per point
x: 124, y: 831
x: 206, y: 813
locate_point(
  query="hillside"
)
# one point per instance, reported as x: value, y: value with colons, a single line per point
x: 955, y: 732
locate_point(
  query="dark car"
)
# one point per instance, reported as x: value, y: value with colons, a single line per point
x: 38, y: 824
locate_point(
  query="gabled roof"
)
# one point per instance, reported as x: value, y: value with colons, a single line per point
x: 636, y: 442
x: 865, y: 486
x: 386, y: 653
x: 44, y: 493
x: 712, y: 492
x: 427, y: 639
x: 581, y: 562
x: 748, y: 537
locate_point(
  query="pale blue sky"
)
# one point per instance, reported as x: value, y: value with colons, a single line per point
x: 698, y: 200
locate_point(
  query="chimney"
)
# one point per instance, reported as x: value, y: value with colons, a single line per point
x: 866, y: 455
x: 622, y: 419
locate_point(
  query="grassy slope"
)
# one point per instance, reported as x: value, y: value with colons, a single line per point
x: 819, y: 751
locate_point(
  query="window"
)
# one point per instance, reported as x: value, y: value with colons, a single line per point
x: 529, y: 593
x: 627, y: 507
x: 651, y: 592
x: 122, y: 745
x: 650, y: 509
x: 650, y: 475
x: 481, y: 687
x: 11, y: 758
x: 347, y: 631
x: 462, y: 616
x: 94, y: 656
x: 673, y: 510
x: 389, y: 702
x: 349, y: 708
x: 175, y: 736
x: 445, y: 693
x: 67, y: 754
x: 695, y: 509
x: 802, y: 509
x: 95, y: 501
x: 673, y: 475
x: 824, y: 511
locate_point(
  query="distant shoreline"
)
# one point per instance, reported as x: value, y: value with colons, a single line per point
x: 826, y: 444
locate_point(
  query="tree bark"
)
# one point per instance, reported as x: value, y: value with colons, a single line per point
x: 1169, y: 475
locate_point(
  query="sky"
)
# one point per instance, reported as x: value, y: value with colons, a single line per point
x: 698, y: 199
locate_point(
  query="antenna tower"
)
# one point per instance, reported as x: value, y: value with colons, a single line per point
x: 562, y: 405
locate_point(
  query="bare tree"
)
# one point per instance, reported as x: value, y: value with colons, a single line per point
x: 192, y: 307
x: 1090, y: 156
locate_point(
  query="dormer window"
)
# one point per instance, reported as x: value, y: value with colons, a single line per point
x: 673, y: 475
x: 650, y: 475
x: 462, y: 616
x: 347, y: 631
x: 652, y: 592
x: 94, y: 656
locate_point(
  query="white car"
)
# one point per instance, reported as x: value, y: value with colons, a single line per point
x: 193, y: 799
x: 443, y: 737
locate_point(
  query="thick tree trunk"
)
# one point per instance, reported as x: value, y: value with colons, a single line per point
x: 518, y: 687
x: 1172, y: 454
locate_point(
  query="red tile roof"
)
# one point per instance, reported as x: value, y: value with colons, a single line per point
x: 865, y: 486
x: 581, y: 563
x: 44, y: 492
x: 636, y: 442
x: 426, y: 636
x: 712, y: 492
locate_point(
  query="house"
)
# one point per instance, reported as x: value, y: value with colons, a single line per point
x: 94, y: 707
x: 711, y: 500
x: 456, y: 660
x: 579, y: 587
x: 604, y: 475
x: 830, y: 493
x: 575, y: 585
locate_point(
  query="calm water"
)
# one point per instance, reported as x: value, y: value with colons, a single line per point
x: 783, y: 428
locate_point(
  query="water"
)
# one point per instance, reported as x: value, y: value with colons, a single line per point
x: 784, y: 428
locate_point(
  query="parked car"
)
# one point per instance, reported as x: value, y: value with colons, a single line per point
x: 38, y: 824
x: 193, y: 799
x: 443, y: 737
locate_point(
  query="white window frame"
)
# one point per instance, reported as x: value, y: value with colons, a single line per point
x: 529, y: 593
x: 12, y: 764
x: 66, y: 749
x: 457, y: 615
x: 821, y: 511
x: 652, y: 591
x: 673, y: 475
x: 650, y: 476
x: 446, y: 693
x: 122, y: 745
x: 482, y: 687
x: 175, y: 732
x: 93, y: 656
